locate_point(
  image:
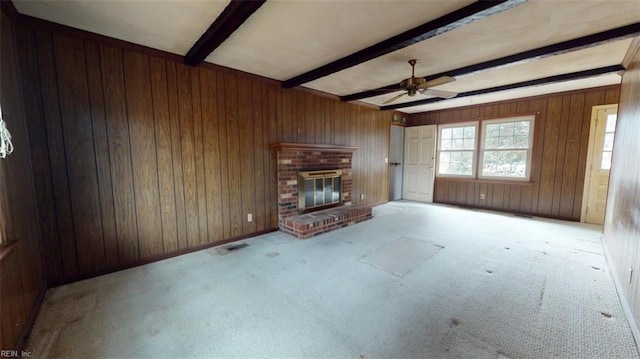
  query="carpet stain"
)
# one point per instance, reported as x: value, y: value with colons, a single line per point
x: 272, y: 254
x: 596, y: 268
x: 507, y: 248
x: 454, y: 322
x: 544, y: 285
x: 489, y: 271
x: 606, y: 315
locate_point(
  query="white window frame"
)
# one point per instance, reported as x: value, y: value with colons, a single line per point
x: 475, y: 149
x: 529, y: 150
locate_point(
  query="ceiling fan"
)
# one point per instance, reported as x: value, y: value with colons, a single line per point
x: 414, y: 85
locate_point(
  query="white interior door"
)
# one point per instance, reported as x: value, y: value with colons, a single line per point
x: 419, y: 154
x: 603, y: 125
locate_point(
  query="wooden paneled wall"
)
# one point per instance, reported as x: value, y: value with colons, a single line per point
x: 559, y: 154
x: 21, y: 279
x: 622, y: 221
x: 138, y: 156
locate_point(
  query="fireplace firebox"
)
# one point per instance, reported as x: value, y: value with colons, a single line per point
x: 319, y: 189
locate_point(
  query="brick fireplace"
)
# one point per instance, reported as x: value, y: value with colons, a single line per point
x: 296, y: 158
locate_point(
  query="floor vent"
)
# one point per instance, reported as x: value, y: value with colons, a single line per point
x: 230, y: 248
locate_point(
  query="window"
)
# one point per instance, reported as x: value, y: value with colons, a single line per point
x: 506, y: 148
x: 504, y: 151
x: 607, y: 146
x: 457, y: 150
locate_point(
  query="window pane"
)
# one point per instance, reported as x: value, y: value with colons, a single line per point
x: 470, y: 132
x: 445, y: 145
x: 468, y: 143
x: 611, y: 123
x: 521, y: 141
x: 606, y: 161
x: 491, y: 142
x: 505, y: 163
x: 456, y: 163
x: 456, y: 149
x: 507, y: 135
x: 608, y: 142
x: 506, y: 129
x: 458, y: 138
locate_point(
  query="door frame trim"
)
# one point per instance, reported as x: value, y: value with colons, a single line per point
x: 587, y: 172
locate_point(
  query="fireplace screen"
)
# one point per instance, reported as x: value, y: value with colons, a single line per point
x: 318, y: 189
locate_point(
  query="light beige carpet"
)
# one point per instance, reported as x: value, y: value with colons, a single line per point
x: 402, y: 255
x: 502, y: 287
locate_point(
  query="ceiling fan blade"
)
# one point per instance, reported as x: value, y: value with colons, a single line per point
x: 439, y: 93
x: 394, y: 98
x: 437, y: 82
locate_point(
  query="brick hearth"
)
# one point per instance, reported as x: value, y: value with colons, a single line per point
x: 295, y: 157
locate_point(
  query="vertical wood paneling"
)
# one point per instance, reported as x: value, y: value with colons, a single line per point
x: 273, y: 100
x: 246, y: 141
x: 558, y: 155
x: 101, y: 146
x: 224, y: 155
x: 258, y: 157
x: 622, y: 222
x: 550, y: 142
x: 119, y: 154
x: 576, y: 118
x: 176, y: 148
x: 55, y: 144
x: 164, y: 153
x: 39, y: 152
x: 178, y: 156
x: 80, y: 153
x: 538, y: 106
x: 210, y: 128
x: 143, y: 153
x: 266, y: 155
x: 21, y: 272
x: 199, y: 156
x: 185, y: 108
x: 287, y: 116
x: 233, y: 153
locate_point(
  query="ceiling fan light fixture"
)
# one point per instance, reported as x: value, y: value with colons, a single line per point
x: 414, y: 85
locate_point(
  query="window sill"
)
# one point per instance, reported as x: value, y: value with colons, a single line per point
x: 488, y: 181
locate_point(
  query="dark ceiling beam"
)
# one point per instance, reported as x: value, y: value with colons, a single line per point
x: 542, y: 81
x: 463, y: 16
x: 560, y: 48
x: 234, y: 15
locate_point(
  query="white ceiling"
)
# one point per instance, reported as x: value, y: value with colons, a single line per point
x: 283, y: 39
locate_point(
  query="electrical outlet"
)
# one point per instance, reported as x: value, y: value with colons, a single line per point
x: 482, y: 195
x: 386, y: 160
x: 362, y: 196
x: 249, y: 217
